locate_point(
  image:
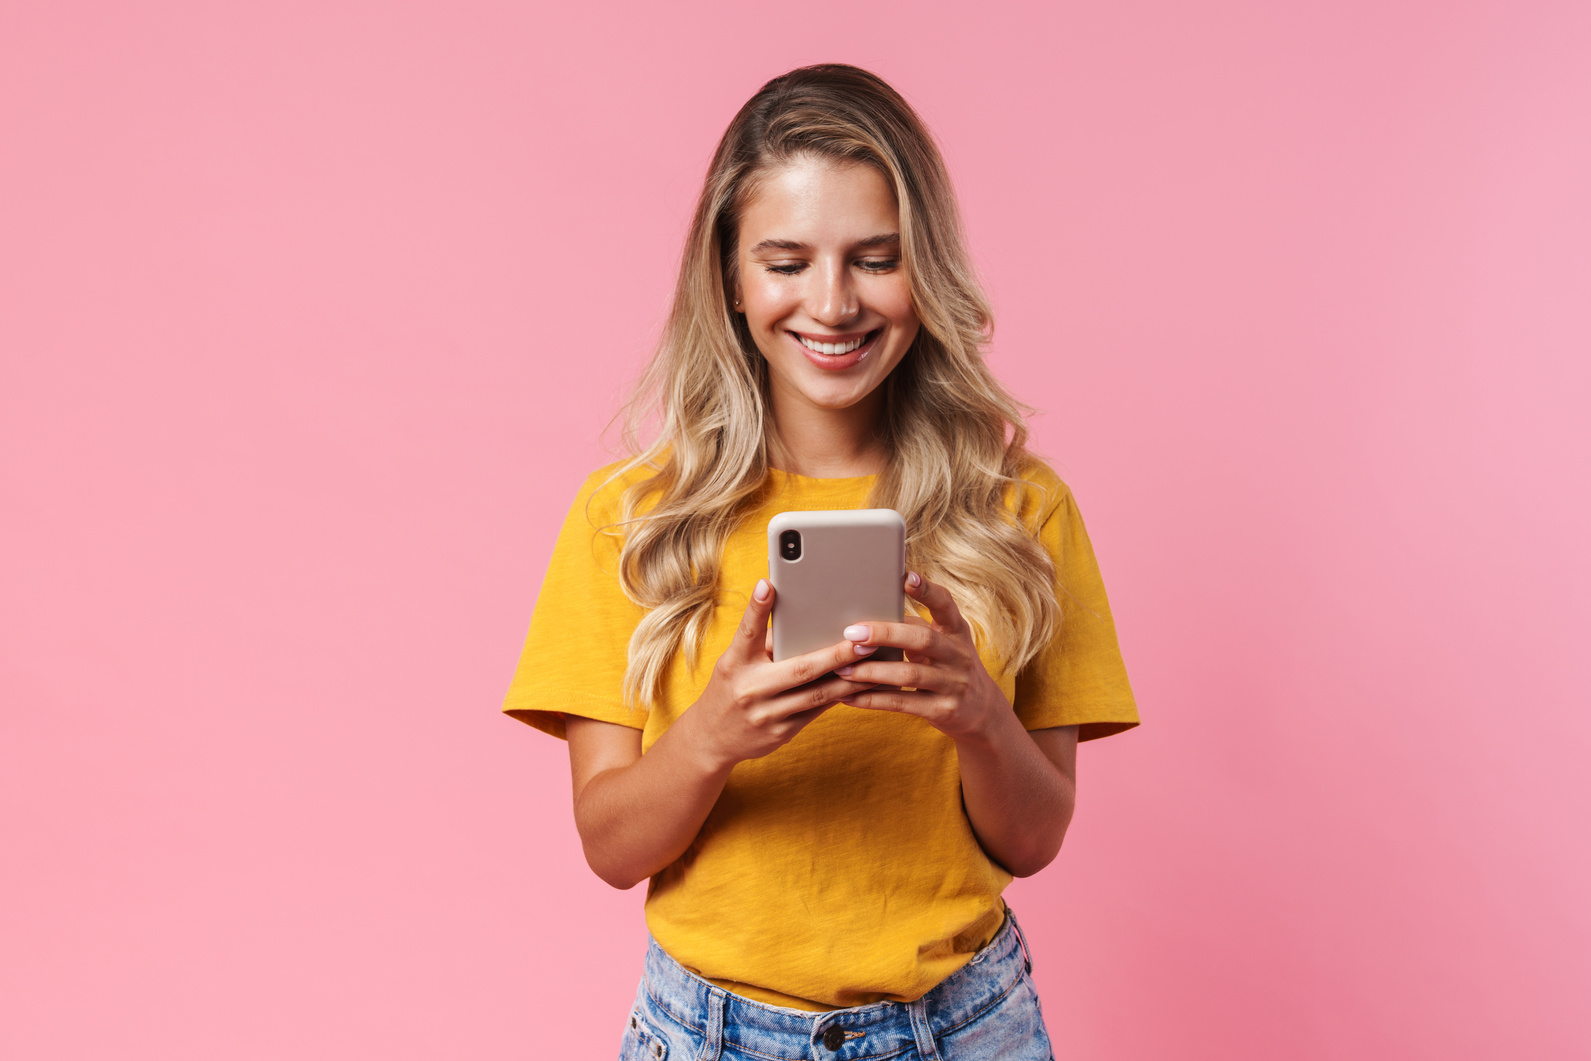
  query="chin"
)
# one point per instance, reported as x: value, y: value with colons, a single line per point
x: 831, y: 400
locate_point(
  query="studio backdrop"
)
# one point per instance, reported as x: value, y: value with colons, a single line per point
x: 312, y: 317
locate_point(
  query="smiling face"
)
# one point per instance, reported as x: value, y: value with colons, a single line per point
x: 823, y: 286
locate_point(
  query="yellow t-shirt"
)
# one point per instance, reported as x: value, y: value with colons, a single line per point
x: 840, y: 870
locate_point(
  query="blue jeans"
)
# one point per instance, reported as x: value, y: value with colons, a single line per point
x: 986, y: 1010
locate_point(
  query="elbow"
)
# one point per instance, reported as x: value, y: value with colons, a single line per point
x: 599, y: 847
x: 613, y: 873
x: 1027, y: 863
x: 619, y: 881
x: 1042, y: 846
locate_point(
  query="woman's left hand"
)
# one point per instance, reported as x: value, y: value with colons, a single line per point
x: 941, y: 679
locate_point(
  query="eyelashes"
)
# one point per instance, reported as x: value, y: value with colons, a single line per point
x: 872, y: 265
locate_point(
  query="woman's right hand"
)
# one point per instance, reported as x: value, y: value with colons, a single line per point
x: 638, y: 813
x: 753, y: 705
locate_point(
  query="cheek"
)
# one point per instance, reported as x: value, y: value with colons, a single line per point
x: 764, y: 304
x: 905, y: 319
x: 896, y: 304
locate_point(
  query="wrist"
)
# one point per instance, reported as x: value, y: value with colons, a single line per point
x: 995, y: 722
x: 691, y: 742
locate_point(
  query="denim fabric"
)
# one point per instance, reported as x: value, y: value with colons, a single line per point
x: 986, y: 1010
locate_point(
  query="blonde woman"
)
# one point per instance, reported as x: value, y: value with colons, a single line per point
x: 826, y: 837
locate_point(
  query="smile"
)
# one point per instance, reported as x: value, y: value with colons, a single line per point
x: 839, y: 352
x: 832, y: 348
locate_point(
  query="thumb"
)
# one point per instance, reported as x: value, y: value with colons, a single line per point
x: 752, y: 638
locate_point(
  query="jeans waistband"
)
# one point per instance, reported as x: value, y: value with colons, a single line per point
x: 974, y: 988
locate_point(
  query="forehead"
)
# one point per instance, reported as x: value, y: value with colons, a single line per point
x: 819, y: 201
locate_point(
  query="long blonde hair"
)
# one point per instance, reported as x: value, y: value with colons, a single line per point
x: 955, y: 439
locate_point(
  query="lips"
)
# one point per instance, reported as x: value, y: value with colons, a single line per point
x: 838, y: 352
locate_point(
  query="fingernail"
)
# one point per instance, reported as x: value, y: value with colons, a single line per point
x: 846, y: 671
x: 913, y: 579
x: 856, y: 633
x: 865, y: 650
x: 762, y: 590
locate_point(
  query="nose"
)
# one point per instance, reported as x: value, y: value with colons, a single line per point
x: 834, y: 300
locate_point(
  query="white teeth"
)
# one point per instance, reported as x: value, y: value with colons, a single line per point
x: 831, y: 348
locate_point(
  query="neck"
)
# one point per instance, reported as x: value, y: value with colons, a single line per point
x: 827, y: 443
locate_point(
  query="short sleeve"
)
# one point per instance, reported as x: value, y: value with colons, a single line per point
x: 574, y: 657
x: 1079, y: 678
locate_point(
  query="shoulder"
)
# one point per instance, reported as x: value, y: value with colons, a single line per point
x: 601, y: 496
x: 1037, y: 494
x: 593, y: 529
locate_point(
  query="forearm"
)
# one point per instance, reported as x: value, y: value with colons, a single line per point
x: 636, y: 819
x: 1018, y: 800
x: 637, y: 813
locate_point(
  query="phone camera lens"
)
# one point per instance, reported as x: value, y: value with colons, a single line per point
x: 790, y: 545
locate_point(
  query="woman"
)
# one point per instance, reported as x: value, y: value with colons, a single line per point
x: 827, y: 837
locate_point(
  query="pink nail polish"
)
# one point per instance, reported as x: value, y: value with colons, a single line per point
x: 856, y: 633
x: 846, y: 672
x: 865, y: 650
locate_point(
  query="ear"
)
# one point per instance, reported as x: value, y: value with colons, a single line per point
x: 737, y: 297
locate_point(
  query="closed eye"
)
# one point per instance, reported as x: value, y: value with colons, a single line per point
x: 870, y: 265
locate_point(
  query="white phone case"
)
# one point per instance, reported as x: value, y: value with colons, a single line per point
x: 851, y: 569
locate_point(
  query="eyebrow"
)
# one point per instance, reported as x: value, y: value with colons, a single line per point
x: 795, y: 245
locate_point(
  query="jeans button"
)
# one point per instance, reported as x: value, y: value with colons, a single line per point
x: 834, y: 1037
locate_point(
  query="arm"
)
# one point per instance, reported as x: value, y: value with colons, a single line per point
x: 1018, y: 787
x: 637, y: 813
x: 612, y: 779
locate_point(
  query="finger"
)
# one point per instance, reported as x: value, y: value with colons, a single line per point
x: 901, y: 675
x: 887, y: 699
x: 767, y: 643
x: 799, y: 670
x: 751, y: 639
x: 914, y: 637
x: 937, y: 599
x: 819, y: 695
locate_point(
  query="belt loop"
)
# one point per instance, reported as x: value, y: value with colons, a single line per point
x: 1027, y: 959
x: 927, y: 1049
x: 714, y: 1046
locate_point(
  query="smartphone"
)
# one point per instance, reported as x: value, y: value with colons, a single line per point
x: 831, y: 569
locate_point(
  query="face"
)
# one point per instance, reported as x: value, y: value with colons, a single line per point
x: 822, y: 284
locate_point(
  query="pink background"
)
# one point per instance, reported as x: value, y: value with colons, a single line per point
x: 311, y: 315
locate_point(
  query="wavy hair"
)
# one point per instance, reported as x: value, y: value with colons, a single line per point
x: 955, y: 439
